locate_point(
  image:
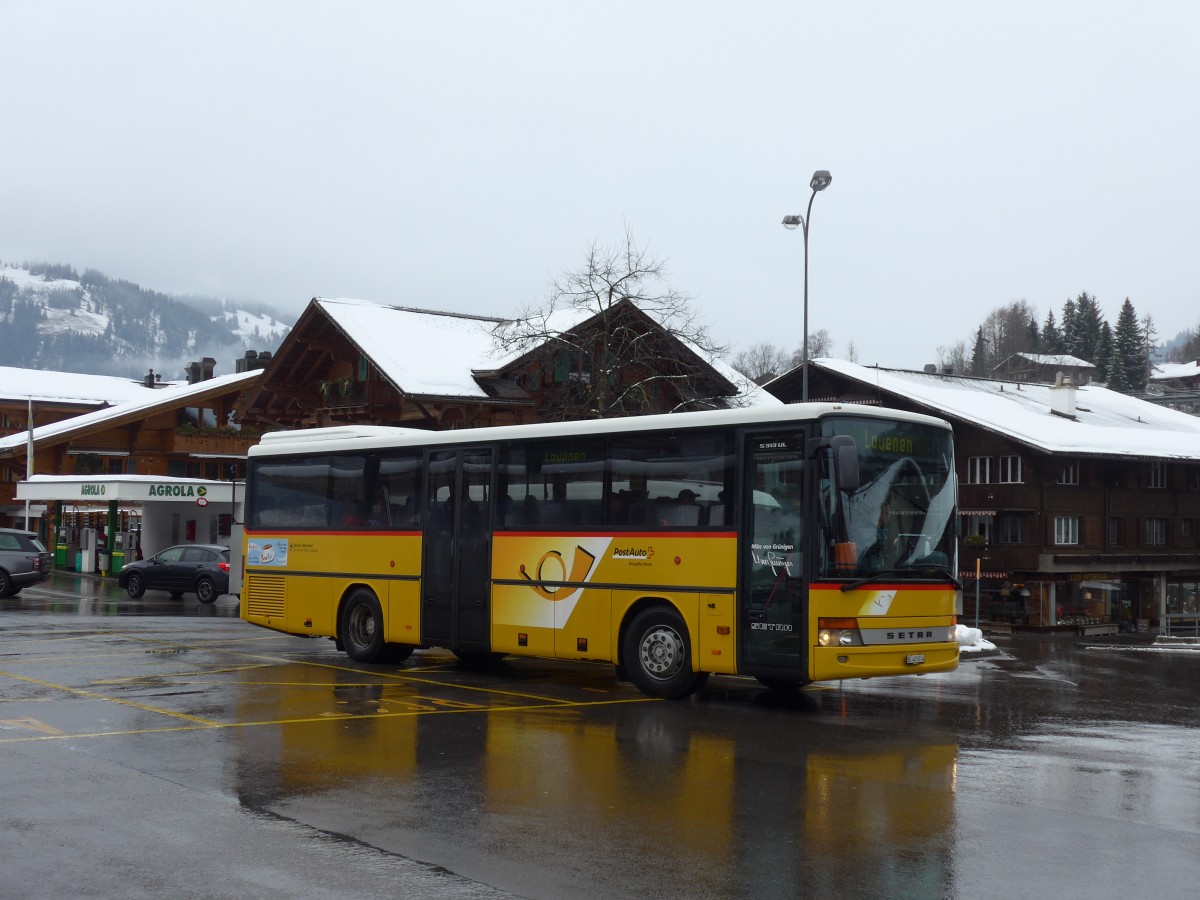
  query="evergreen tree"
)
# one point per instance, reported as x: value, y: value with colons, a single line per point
x: 1070, y: 328
x: 1127, y: 372
x: 1191, y: 349
x: 1051, y: 342
x: 1088, y: 322
x: 1104, y: 350
x: 1032, y: 337
x: 979, y: 355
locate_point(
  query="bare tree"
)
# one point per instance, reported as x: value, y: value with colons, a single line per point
x: 819, y: 344
x: 1005, y: 332
x: 956, y: 357
x: 614, y: 338
x: 762, y: 362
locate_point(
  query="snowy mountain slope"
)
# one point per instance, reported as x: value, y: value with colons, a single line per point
x: 53, y: 318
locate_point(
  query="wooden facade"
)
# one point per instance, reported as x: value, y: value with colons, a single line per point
x: 322, y: 375
x: 183, y: 432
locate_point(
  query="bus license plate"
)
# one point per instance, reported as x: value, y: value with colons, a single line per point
x: 915, y: 659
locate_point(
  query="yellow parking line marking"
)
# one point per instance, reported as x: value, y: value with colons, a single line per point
x: 94, y: 696
x: 32, y: 724
x: 143, y: 679
x: 310, y: 720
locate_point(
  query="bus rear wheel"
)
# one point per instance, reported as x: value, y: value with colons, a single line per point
x: 362, y: 627
x: 658, y: 654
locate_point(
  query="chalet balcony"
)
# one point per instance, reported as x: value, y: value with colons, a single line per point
x: 218, y: 441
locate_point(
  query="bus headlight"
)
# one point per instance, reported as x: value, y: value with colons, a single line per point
x: 838, y: 633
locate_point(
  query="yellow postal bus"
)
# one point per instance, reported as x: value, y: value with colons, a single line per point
x: 794, y: 544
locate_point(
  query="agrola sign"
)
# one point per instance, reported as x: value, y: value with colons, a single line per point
x: 188, y: 491
x: 124, y: 489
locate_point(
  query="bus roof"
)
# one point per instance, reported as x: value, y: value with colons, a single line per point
x: 345, y: 438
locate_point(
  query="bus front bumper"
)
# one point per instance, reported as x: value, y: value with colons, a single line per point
x: 831, y: 663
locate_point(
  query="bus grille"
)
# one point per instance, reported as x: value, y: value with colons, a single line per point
x: 265, y: 595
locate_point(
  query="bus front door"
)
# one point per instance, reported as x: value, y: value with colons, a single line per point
x: 457, y: 549
x: 771, y: 596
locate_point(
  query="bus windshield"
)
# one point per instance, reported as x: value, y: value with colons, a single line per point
x: 899, y: 521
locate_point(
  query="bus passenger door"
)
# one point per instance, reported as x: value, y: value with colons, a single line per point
x: 457, y: 549
x: 772, y: 595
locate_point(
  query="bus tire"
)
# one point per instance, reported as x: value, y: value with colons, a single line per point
x: 657, y: 653
x: 361, y: 629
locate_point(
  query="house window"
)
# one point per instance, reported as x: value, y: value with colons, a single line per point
x: 1010, y: 470
x: 1069, y: 473
x: 1156, y: 475
x: 1156, y: 532
x: 1187, y: 527
x: 980, y: 526
x: 1066, y: 529
x: 1010, y: 530
x: 1114, y: 531
x: 1194, y: 481
x: 979, y: 470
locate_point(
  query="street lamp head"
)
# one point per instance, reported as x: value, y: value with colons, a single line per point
x: 793, y: 222
x: 820, y: 180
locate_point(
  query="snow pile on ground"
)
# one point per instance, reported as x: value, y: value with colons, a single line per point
x: 971, y: 640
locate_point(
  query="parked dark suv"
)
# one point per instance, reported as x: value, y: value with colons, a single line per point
x: 202, y: 569
x: 24, y: 560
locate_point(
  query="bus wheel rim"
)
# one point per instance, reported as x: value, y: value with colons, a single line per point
x: 362, y: 626
x: 662, y: 652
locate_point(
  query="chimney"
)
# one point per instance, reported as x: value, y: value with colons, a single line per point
x: 253, y: 359
x: 200, y: 371
x: 1062, y: 396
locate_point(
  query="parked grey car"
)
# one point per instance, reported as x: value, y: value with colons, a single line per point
x: 24, y: 560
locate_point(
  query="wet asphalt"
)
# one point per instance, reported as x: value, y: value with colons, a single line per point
x: 160, y: 747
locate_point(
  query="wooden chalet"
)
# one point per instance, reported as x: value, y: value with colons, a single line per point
x: 355, y: 361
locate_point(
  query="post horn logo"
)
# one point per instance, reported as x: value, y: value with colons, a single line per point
x: 567, y: 581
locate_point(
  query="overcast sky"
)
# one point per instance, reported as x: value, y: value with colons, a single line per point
x: 460, y: 155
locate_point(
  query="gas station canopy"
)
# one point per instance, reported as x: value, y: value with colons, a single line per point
x: 124, y: 489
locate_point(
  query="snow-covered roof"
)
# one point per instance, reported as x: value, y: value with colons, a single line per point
x: 1106, y: 423
x: 421, y: 351
x: 1057, y: 359
x: 432, y: 353
x: 1169, y: 371
x: 70, y: 387
x: 146, y: 403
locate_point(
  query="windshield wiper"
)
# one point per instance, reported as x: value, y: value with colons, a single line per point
x: 883, y: 574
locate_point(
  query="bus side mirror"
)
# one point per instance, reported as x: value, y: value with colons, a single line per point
x: 847, y: 464
x: 845, y: 459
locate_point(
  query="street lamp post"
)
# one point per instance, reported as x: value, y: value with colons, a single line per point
x: 820, y: 181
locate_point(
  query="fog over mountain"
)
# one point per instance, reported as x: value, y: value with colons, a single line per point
x: 52, y: 317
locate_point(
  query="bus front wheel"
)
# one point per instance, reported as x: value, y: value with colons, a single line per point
x: 362, y: 627
x: 658, y: 654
